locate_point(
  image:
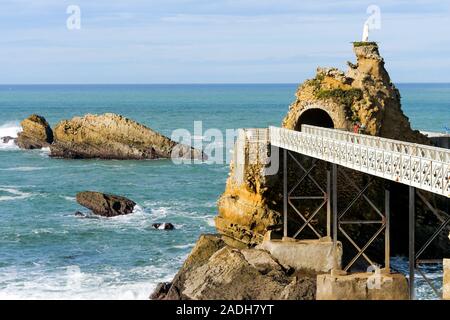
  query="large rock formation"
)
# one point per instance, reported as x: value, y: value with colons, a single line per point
x: 107, y: 205
x: 36, y: 133
x: 217, y: 271
x: 364, y: 94
x: 334, y: 99
x: 111, y: 136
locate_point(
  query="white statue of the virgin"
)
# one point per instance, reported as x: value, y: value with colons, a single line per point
x: 365, y: 36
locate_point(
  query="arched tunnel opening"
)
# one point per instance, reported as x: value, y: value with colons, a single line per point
x: 315, y: 117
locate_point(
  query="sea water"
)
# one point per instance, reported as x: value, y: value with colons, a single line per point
x: 48, y: 252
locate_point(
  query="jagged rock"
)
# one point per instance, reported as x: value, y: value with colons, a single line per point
x: 332, y: 99
x: 217, y: 271
x: 36, y: 133
x: 163, y: 226
x: 79, y: 214
x: 111, y: 136
x: 205, y: 247
x: 8, y: 139
x: 160, y: 291
x: 106, y: 205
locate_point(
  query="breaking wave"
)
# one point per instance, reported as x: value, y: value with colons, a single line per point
x: 13, y: 194
x: 9, y: 129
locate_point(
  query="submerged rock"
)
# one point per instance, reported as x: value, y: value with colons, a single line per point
x: 216, y: 271
x: 111, y: 136
x: 163, y: 226
x: 36, y: 133
x: 79, y: 214
x: 8, y: 139
x: 107, y: 205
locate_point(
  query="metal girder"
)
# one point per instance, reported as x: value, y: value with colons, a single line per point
x: 289, y: 196
x: 339, y: 222
x: 415, y: 261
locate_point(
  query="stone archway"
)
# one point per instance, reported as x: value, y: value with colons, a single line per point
x: 315, y: 117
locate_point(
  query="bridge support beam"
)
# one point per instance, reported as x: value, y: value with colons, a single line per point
x: 292, y: 195
x: 383, y: 220
x: 412, y: 241
x: 415, y: 260
x: 334, y: 173
x: 285, y: 193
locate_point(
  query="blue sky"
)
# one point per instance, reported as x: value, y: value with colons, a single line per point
x: 215, y: 41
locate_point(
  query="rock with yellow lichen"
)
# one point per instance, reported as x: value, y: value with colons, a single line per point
x: 364, y: 95
x: 111, y: 136
x: 36, y: 133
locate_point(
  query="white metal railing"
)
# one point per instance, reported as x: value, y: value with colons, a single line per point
x: 406, y: 148
x: 424, y: 167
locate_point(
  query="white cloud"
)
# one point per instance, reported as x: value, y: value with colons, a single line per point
x: 221, y: 41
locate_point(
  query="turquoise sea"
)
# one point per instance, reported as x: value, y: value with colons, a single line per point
x: 47, y: 252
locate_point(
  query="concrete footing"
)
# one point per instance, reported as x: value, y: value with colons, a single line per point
x: 362, y: 286
x: 318, y: 256
x: 446, y: 285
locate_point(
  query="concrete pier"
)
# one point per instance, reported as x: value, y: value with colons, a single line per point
x: 318, y: 256
x: 446, y: 283
x: 362, y: 286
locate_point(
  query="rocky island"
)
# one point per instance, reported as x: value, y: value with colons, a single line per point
x: 237, y: 263
x: 107, y: 136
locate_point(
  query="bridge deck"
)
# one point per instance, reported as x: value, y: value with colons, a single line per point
x: 420, y: 166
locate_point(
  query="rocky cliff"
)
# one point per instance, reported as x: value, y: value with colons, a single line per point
x: 111, y: 136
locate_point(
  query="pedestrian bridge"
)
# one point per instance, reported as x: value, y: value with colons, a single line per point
x: 423, y: 167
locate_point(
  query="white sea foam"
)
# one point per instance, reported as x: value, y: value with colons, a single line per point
x: 185, y: 246
x: 48, y: 231
x: 159, y: 212
x: 9, y: 129
x: 210, y: 222
x: 72, y: 282
x: 13, y: 194
x: 45, y: 152
x: 71, y: 199
x: 22, y: 169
